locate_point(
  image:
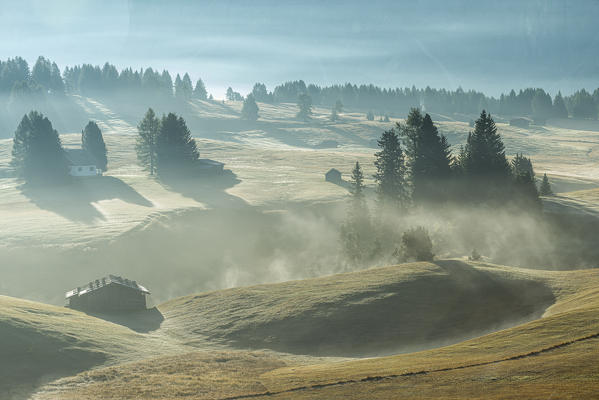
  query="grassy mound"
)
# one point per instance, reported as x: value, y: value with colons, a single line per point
x: 41, y: 342
x: 380, y: 311
x: 553, y: 354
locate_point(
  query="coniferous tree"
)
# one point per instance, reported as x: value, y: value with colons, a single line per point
x: 545, y: 189
x: 200, y: 90
x: 429, y: 160
x: 334, y: 116
x: 483, y: 161
x: 559, y: 106
x: 261, y: 94
x: 390, y: 176
x: 176, y: 150
x: 37, y: 153
x: 525, y: 189
x: 370, y: 116
x: 356, y: 232
x: 304, y: 102
x: 147, y: 133
x: 339, y: 106
x: 187, y: 86
x: 250, y: 109
x: 93, y: 142
x: 583, y: 105
x: 167, y: 83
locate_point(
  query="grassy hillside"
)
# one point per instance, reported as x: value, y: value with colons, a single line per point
x: 384, y: 310
x: 553, y: 354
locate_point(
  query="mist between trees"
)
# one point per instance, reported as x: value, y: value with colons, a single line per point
x: 48, y: 89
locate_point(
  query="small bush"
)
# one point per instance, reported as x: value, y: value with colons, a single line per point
x: 416, y: 245
x: 475, y: 256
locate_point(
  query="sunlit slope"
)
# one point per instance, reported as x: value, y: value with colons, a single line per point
x: 555, y: 354
x: 383, y: 310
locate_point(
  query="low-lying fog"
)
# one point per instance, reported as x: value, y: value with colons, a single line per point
x: 206, y: 250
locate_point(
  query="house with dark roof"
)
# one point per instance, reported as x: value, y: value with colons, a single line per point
x: 82, y: 163
x: 333, y: 176
x: 109, y: 294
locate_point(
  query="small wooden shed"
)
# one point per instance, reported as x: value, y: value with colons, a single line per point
x: 333, y: 176
x: 108, y: 294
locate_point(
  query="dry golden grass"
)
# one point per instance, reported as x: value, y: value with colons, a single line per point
x: 551, y: 357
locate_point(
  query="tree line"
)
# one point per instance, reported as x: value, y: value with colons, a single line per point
x: 45, y: 77
x: 415, y: 167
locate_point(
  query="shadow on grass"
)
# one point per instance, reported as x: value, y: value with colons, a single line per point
x: 74, y: 200
x: 207, y: 188
x: 142, y: 321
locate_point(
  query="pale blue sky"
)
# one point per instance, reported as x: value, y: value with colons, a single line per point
x: 486, y: 45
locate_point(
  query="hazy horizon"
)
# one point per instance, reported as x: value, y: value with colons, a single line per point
x: 473, y: 45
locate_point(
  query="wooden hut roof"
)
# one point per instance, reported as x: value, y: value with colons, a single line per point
x: 99, y: 283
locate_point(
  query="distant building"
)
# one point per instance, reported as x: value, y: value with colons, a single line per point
x: 333, y: 176
x: 82, y: 163
x: 210, y: 166
x: 520, y: 122
x: 109, y: 294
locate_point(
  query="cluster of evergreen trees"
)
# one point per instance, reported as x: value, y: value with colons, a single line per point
x: 45, y: 77
x: 37, y: 153
x: 531, y: 102
x: 93, y: 80
x: 164, y: 145
x: 415, y: 167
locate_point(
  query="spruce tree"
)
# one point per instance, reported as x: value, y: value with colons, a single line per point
x: 176, y: 150
x: 334, y: 116
x: 525, y: 193
x: 429, y: 158
x: 200, y: 90
x: 356, y: 231
x: 559, y: 107
x: 93, y: 142
x: 250, y: 109
x: 304, y: 102
x: 483, y: 161
x: 390, y: 176
x: 147, y: 133
x: 187, y: 86
x: 37, y: 153
x: 545, y: 189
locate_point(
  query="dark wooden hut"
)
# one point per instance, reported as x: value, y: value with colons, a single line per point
x: 333, y: 175
x: 109, y: 294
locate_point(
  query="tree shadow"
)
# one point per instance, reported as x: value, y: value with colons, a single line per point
x: 143, y: 321
x: 74, y: 199
x: 206, y: 188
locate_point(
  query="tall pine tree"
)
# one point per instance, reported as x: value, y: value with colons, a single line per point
x: 545, y: 189
x: 147, y: 133
x: 93, y: 142
x: 356, y: 231
x: 483, y: 161
x: 429, y: 157
x: 392, y: 189
x: 200, y: 90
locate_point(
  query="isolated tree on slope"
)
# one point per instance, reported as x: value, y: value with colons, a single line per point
x: 250, y: 109
x: 416, y: 245
x: 545, y: 189
x: 93, y: 142
x: 200, y: 90
x: 37, y: 153
x: 390, y: 175
x: 304, y: 102
x: 356, y: 232
x: 176, y: 150
x: 147, y: 133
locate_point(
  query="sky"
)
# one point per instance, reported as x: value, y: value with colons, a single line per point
x: 491, y: 46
